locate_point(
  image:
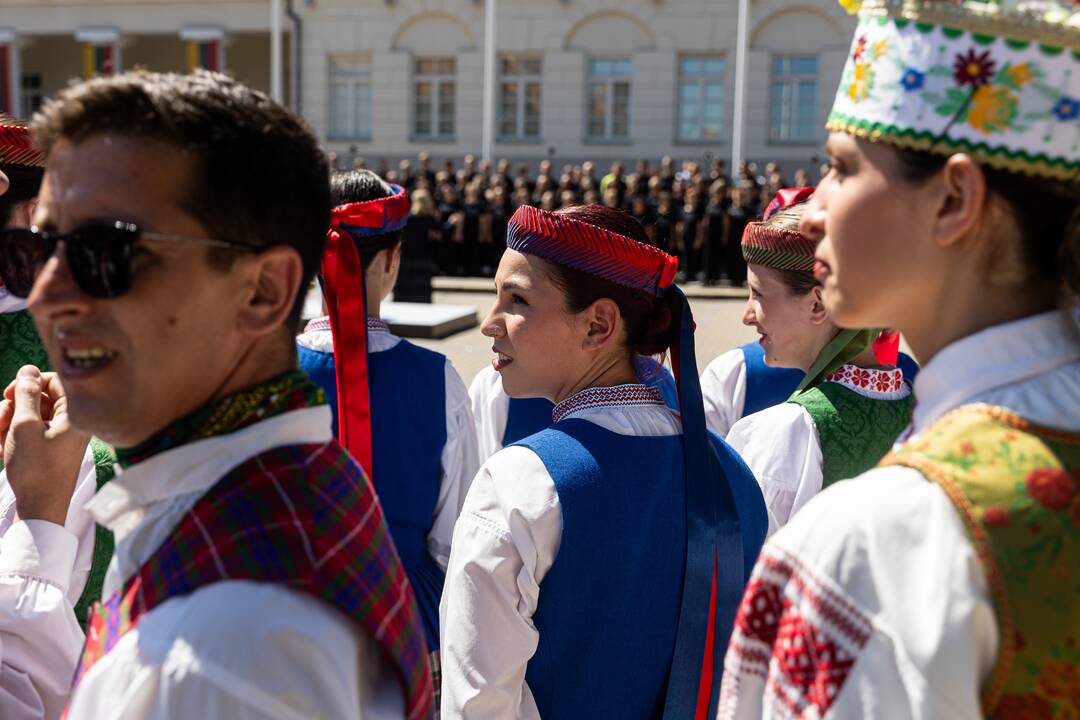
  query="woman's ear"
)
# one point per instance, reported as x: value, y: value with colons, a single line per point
x: 603, y: 324
x: 818, y: 313
x: 961, y: 190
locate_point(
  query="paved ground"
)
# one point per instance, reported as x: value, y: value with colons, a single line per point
x: 719, y: 328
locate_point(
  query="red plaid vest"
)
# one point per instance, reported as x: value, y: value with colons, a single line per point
x: 323, y: 533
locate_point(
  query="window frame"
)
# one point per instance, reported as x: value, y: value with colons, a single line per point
x: 609, y: 80
x: 353, y: 78
x: 437, y: 80
x: 523, y: 79
x: 794, y: 82
x: 703, y: 79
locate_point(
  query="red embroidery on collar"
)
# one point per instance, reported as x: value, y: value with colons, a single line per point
x: 617, y: 396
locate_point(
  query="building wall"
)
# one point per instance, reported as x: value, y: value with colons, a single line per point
x: 565, y: 33
x: 390, y: 34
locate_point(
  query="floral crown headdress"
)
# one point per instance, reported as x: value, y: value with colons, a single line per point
x: 1000, y: 81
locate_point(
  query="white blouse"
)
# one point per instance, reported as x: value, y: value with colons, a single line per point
x: 874, y: 582
x: 723, y: 388
x: 43, y: 571
x: 782, y: 448
x: 505, y: 542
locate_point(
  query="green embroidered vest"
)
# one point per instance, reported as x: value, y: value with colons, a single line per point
x: 103, y: 538
x: 1014, y: 485
x: 19, y: 345
x: 855, y: 431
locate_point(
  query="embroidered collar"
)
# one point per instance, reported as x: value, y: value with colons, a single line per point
x: 374, y: 324
x: 318, y: 324
x: 615, y: 396
x: 872, y: 383
x: 291, y: 390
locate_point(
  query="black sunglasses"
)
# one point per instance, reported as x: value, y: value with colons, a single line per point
x: 100, y: 256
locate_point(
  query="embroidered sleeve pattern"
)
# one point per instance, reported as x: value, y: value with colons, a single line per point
x: 795, y: 642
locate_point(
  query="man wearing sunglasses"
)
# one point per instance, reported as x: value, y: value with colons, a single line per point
x: 179, y: 221
x: 40, y: 638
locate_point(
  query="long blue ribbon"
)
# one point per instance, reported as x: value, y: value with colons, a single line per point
x: 714, y: 541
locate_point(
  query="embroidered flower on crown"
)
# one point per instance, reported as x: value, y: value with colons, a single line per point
x: 974, y: 69
x: 1066, y: 109
x: 913, y: 79
x: 860, y: 48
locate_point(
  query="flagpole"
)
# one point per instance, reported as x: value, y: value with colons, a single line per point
x: 275, y: 52
x: 488, y: 126
x: 741, y: 70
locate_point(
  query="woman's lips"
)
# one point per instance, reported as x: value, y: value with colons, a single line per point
x: 821, y: 269
x: 500, y: 361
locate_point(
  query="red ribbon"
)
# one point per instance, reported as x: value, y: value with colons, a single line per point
x: 343, y: 287
x: 887, y: 347
x: 382, y: 215
x: 786, y: 198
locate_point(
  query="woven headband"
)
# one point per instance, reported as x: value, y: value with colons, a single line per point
x: 16, y: 145
x: 373, y: 217
x: 591, y: 249
x: 774, y: 247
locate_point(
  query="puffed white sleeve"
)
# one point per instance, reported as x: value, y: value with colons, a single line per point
x: 723, y: 388
x: 780, y: 445
x: 490, y: 409
x: 504, y: 544
x: 871, y: 602
x: 43, y: 569
x: 459, y: 461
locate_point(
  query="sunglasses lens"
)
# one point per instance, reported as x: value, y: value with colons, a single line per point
x: 102, y: 259
x: 22, y: 255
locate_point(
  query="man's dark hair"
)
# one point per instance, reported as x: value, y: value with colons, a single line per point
x: 25, y: 182
x: 259, y: 174
x: 351, y: 186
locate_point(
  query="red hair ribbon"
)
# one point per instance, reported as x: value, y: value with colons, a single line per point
x: 887, y: 347
x: 343, y: 288
x: 373, y: 217
x: 786, y: 198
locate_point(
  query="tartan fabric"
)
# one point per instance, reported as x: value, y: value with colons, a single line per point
x: 16, y: 145
x: 590, y: 249
x: 289, y: 391
x: 777, y: 248
x: 304, y: 516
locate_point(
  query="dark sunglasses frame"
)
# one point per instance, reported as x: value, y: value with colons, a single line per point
x: 100, y: 256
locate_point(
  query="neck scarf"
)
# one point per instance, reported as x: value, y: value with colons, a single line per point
x: 289, y: 391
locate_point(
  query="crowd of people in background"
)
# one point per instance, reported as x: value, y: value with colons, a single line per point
x: 690, y: 210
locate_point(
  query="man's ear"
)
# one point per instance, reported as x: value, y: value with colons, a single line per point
x: 274, y: 282
x: 818, y: 312
x: 961, y: 194
x: 604, y: 323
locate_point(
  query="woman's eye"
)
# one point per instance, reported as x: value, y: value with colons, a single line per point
x: 518, y: 300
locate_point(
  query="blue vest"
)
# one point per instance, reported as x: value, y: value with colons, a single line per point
x: 527, y: 416
x: 609, y: 606
x: 767, y: 386
x: 407, y: 385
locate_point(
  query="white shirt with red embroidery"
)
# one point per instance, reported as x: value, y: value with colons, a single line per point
x: 781, y: 446
x: 871, y: 602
